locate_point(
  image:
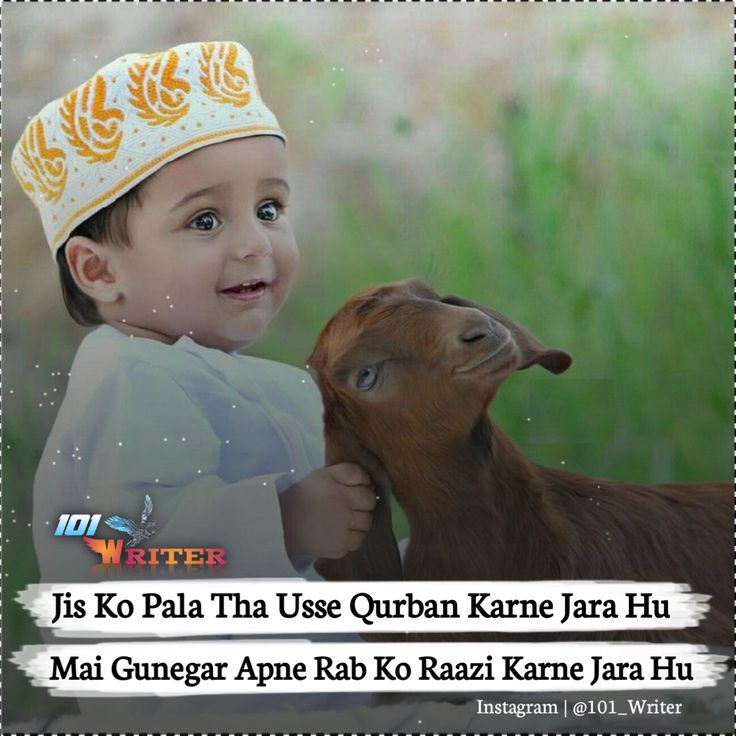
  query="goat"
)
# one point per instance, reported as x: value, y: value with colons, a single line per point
x: 406, y: 379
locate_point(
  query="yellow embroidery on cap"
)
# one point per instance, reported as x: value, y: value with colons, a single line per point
x: 221, y: 78
x: 45, y: 166
x: 158, y: 95
x: 150, y: 165
x: 94, y: 130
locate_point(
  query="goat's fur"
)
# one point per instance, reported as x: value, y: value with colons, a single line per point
x: 477, y: 508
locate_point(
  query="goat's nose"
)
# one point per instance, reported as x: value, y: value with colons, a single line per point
x: 477, y: 331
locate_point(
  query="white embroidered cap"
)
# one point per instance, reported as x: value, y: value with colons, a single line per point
x: 137, y: 113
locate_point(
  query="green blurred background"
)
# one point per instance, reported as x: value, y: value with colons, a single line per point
x: 570, y: 166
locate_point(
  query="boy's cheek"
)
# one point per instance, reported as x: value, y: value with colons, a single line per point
x: 289, y: 268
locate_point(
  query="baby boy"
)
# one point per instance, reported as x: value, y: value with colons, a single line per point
x: 163, y: 189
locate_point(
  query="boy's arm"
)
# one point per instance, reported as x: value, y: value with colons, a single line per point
x: 142, y: 433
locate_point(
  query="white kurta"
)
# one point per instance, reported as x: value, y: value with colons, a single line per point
x: 211, y: 436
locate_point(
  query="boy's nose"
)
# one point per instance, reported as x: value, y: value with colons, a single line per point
x: 252, y: 242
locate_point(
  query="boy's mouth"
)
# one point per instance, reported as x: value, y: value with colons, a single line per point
x: 247, y: 290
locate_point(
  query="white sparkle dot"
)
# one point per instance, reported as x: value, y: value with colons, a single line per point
x: 505, y: 34
x: 88, y: 498
x: 40, y: 404
x: 53, y: 462
x: 15, y: 291
x: 199, y: 471
x: 11, y: 390
x: 333, y: 84
x: 47, y: 523
x: 171, y: 306
x: 190, y: 332
x: 304, y: 380
x: 233, y: 406
x: 183, y: 439
x: 123, y: 320
x: 168, y: 297
x: 155, y: 480
x: 166, y: 439
x: 120, y: 444
x: 292, y: 470
x: 528, y: 419
x: 562, y: 461
x: 264, y: 483
x: 154, y: 311
x: 311, y: 122
x: 227, y: 442
x: 58, y: 452
x: 342, y: 68
x: 380, y: 61
x: 36, y: 365
x: 334, y: 68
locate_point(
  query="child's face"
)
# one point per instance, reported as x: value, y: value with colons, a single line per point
x: 217, y: 266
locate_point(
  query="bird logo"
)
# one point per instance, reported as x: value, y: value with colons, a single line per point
x: 138, y: 532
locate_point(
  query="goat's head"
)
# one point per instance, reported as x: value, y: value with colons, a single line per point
x: 404, y: 372
x: 401, y: 352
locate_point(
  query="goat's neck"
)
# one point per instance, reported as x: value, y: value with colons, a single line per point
x: 478, y: 490
x: 459, y: 477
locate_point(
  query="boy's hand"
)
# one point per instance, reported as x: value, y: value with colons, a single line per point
x: 329, y: 512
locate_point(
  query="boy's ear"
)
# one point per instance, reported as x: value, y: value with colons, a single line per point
x: 91, y: 268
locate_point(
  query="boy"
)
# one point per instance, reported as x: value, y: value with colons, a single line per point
x: 162, y: 187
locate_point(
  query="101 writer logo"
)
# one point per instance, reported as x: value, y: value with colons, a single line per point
x: 112, y: 551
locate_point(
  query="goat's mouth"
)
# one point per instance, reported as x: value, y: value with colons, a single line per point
x: 484, y: 360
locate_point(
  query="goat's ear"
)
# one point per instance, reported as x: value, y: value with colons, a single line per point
x: 378, y: 558
x: 532, y: 351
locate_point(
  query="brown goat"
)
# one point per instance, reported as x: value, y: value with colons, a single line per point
x: 406, y: 378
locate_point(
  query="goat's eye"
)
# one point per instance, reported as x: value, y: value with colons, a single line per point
x: 367, y: 377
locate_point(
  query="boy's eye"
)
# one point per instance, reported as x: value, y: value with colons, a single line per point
x: 205, y: 222
x: 269, y: 211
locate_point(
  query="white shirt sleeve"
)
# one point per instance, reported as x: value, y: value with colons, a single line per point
x: 141, y: 433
